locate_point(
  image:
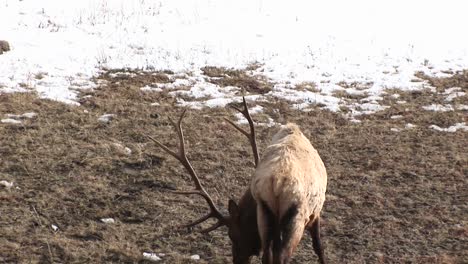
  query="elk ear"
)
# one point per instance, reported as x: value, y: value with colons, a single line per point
x: 233, y: 209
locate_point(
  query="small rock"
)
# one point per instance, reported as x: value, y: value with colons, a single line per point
x: 4, y: 46
x: 195, y: 257
x: 151, y: 256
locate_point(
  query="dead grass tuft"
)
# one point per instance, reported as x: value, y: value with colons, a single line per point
x: 307, y: 86
x: 239, y: 78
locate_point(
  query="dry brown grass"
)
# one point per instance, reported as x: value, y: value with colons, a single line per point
x: 458, y: 79
x: 392, y: 197
x: 240, y: 78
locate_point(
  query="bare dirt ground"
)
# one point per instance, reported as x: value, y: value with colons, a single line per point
x: 394, y: 195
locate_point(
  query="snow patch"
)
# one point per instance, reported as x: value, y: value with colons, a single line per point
x: 10, y: 121
x: 207, y: 90
x: 438, y: 108
x: 151, y: 256
x: 28, y: 115
x: 453, y: 93
x: 106, y: 118
x: 462, y: 107
x: 6, y: 184
x: 270, y: 123
x: 409, y: 126
x: 366, y: 108
x: 451, y: 129
x: 108, y: 220
x: 148, y: 88
x: 58, y: 47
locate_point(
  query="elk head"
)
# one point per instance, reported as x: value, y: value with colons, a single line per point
x: 242, y: 219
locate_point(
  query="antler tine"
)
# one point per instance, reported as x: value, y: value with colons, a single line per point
x: 251, y: 135
x: 219, y: 223
x: 180, y: 133
x: 199, y: 189
x: 213, y: 227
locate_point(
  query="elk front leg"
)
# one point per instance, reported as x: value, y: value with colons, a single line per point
x: 314, y: 230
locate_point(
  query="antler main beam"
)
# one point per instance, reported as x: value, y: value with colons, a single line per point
x: 251, y: 135
x: 199, y: 189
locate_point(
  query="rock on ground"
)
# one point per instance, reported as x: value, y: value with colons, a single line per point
x: 4, y: 46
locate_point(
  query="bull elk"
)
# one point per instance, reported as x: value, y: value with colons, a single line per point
x: 294, y: 181
x: 289, y: 187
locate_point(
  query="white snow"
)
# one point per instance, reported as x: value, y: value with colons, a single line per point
x: 148, y: 88
x: 151, y: 256
x: 453, y: 93
x: 58, y: 46
x: 6, y: 184
x: 106, y: 118
x: 451, y: 129
x: 28, y: 115
x: 10, y: 121
x: 108, y: 220
x: 409, y: 126
x: 438, y: 107
x: 462, y: 107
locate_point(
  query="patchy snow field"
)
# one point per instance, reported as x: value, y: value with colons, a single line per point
x: 82, y: 184
x: 58, y: 46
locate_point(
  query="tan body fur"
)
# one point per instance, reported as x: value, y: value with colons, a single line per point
x: 290, y: 181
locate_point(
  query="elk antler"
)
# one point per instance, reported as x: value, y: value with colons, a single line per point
x: 251, y: 135
x: 199, y: 190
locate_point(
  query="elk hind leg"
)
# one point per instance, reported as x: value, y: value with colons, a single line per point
x: 266, y: 222
x: 289, y: 235
x: 314, y: 230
